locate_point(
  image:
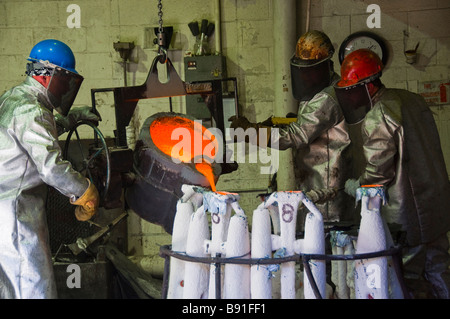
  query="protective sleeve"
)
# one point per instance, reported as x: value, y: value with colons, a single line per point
x: 36, y: 130
x: 380, y: 148
x: 314, y: 117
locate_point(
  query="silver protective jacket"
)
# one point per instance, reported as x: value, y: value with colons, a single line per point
x: 30, y: 158
x: 321, y: 148
x: 403, y: 152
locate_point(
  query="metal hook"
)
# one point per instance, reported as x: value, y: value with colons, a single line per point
x: 162, y: 54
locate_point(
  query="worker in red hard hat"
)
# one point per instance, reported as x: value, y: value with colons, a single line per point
x: 359, y: 73
x: 402, y: 149
x: 318, y: 137
x: 30, y: 159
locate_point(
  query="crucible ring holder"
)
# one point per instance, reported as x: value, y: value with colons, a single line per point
x: 166, y: 253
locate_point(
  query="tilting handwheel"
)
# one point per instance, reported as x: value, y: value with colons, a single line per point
x: 93, y: 162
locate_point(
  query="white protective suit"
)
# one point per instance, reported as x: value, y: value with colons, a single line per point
x: 403, y: 152
x: 321, y: 144
x: 30, y: 158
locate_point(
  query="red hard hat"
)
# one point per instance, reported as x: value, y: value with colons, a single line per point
x: 362, y: 64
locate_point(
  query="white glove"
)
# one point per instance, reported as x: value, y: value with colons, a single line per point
x: 351, y: 185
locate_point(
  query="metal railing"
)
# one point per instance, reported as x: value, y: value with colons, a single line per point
x: 167, y: 253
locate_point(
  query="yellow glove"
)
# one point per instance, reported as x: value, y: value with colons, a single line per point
x: 87, y: 204
x: 283, y: 120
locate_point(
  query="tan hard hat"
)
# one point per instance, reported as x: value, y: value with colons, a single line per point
x: 313, y: 47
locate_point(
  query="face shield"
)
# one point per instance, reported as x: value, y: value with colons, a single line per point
x: 355, y: 101
x: 309, y: 78
x: 63, y: 85
x: 63, y: 88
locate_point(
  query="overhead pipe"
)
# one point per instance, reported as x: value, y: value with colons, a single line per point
x: 285, y: 38
x: 125, y: 49
x: 218, y: 27
x: 308, y: 15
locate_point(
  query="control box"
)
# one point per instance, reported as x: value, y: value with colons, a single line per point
x: 202, y: 68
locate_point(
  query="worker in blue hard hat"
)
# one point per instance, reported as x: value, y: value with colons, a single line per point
x: 30, y: 159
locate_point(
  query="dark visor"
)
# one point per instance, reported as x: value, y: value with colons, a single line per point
x: 307, y: 81
x: 355, y: 101
x: 63, y: 88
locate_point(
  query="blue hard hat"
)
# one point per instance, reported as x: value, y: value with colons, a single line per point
x: 54, y: 51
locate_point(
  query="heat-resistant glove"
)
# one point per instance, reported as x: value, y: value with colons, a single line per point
x: 84, y: 113
x: 351, y: 185
x: 240, y: 122
x: 87, y: 204
x: 244, y: 123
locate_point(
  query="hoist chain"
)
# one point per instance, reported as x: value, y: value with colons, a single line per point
x: 161, y: 36
x: 160, y: 14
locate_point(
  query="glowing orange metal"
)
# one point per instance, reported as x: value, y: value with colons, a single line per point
x: 164, y: 138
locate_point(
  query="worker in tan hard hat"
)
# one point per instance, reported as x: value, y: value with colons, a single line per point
x: 319, y: 135
x: 30, y: 159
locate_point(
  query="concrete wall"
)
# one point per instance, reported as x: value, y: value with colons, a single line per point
x: 247, y: 42
x: 403, y: 25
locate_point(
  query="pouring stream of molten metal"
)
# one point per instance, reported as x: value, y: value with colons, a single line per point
x: 164, y: 138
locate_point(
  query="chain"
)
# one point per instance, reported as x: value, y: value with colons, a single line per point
x: 160, y: 14
x: 161, y: 36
